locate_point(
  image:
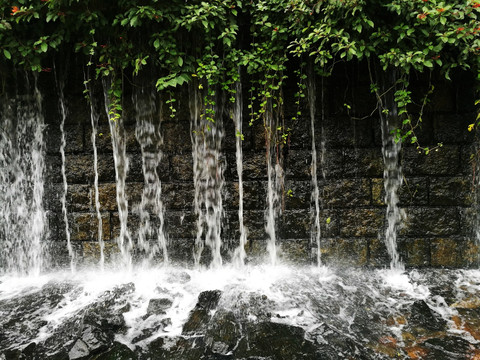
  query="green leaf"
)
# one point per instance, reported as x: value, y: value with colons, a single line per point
x: 7, y: 54
x: 428, y: 63
x: 179, y: 61
x: 44, y: 47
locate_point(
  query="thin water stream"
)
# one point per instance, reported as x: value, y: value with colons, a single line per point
x: 63, y: 143
x: 239, y: 255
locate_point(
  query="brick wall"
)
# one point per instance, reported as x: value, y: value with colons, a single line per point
x: 436, y: 195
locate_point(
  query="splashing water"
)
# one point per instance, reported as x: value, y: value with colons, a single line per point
x: 320, y: 312
x: 117, y: 132
x: 150, y: 139
x: 239, y: 255
x: 208, y: 167
x: 22, y: 167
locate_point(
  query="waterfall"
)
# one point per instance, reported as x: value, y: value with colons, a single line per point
x: 22, y: 167
x: 63, y: 143
x: 94, y: 116
x: 393, y: 178
x: 275, y: 184
x: 316, y: 232
x: 239, y: 254
x: 148, y: 134
x: 207, y: 139
x: 117, y: 132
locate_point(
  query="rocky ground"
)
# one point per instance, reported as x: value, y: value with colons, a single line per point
x: 299, y: 314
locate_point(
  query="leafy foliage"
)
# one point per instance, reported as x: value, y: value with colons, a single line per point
x: 206, y: 42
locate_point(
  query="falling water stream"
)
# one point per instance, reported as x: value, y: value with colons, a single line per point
x: 150, y: 139
x: 120, y: 158
x: 316, y: 232
x: 22, y: 167
x: 393, y: 178
x: 207, y: 137
x: 275, y: 184
x: 225, y: 311
x: 63, y: 143
x: 239, y: 255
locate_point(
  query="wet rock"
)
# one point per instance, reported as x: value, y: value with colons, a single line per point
x: 332, y: 344
x: 146, y: 333
x: 95, y: 339
x: 223, y: 333
x: 181, y: 349
x: 200, y: 315
x: 117, y: 351
x: 79, y: 350
x: 448, y: 348
x: 158, y: 306
x: 421, y: 316
x: 274, y: 341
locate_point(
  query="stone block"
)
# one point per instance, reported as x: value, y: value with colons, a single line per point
x: 177, y: 137
x: 135, y: 168
x: 254, y: 195
x: 446, y: 252
x: 363, y: 163
x: 73, y: 138
x: 107, y: 195
x: 469, y: 166
x: 347, y: 193
x: 329, y: 223
x: 298, y: 164
x: 414, y: 252
x: 298, y: 194
x: 451, y: 191
x: 423, y: 221
x: 178, y: 196
x: 414, y: 191
x: 53, y: 169
x: 331, y: 167
x: 79, y: 169
x: 103, y: 139
x: 254, y: 166
x: 301, y: 134
x: 294, y: 224
x: 340, y: 251
x: 91, y: 251
x: 452, y: 128
x: 343, y: 131
x: 378, y: 254
x: 79, y: 197
x: 106, y: 168
x: 295, y: 251
x: 181, y: 225
x: 255, y: 223
x: 182, y: 167
x: 180, y: 251
x: 440, y: 162
x: 84, y: 227
x: 361, y: 222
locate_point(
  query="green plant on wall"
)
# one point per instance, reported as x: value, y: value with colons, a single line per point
x: 208, y: 41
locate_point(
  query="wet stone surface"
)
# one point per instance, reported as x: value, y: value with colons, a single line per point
x: 255, y: 313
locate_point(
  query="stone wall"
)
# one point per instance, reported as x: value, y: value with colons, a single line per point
x: 436, y: 194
